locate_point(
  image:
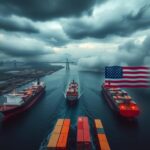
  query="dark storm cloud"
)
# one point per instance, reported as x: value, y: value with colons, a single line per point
x: 23, y: 47
x: 10, y: 24
x: 122, y: 25
x: 21, y: 53
x: 47, y: 9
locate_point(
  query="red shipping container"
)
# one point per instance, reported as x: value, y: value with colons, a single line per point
x: 85, y: 123
x: 86, y: 136
x: 80, y: 135
x: 80, y: 123
x: 80, y: 139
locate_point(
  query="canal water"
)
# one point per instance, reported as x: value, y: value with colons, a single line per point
x: 30, y: 130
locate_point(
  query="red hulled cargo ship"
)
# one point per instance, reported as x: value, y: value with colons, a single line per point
x: 120, y: 101
x: 15, y: 103
x: 72, y: 93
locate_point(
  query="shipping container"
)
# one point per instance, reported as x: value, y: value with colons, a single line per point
x: 60, y: 122
x: 85, y: 123
x: 62, y: 142
x: 98, y: 123
x: 80, y: 140
x: 53, y: 141
x: 102, y: 143
x: 57, y: 129
x: 66, y: 122
x: 80, y: 123
x: 83, y: 134
x: 64, y: 135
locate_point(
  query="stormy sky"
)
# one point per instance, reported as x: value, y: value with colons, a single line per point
x: 94, y: 32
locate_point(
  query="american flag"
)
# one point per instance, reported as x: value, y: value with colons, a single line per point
x: 127, y: 77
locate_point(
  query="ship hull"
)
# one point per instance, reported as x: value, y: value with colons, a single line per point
x: 20, y: 109
x: 71, y: 100
x: 128, y: 113
x: 110, y: 102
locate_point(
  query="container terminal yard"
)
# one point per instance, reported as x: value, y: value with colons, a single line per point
x: 90, y: 124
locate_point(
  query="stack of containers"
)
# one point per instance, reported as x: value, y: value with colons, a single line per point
x: 128, y: 97
x: 83, y: 134
x: 59, y: 137
x: 114, y: 89
x: 63, y: 138
x: 101, y: 137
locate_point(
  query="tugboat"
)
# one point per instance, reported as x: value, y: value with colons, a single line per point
x: 72, y: 93
x: 121, y: 102
x: 16, y: 103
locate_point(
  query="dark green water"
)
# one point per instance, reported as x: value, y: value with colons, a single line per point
x: 27, y: 131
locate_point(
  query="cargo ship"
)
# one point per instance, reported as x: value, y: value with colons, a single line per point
x: 15, y: 103
x: 72, y: 93
x: 119, y: 100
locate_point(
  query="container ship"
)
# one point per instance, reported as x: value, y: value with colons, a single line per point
x: 121, y: 102
x: 72, y: 93
x: 15, y: 103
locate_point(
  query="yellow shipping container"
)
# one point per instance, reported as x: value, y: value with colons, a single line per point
x: 52, y: 144
x: 98, y: 123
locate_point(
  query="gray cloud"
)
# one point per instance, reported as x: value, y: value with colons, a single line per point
x: 13, y: 23
x: 110, y: 21
x: 37, y: 29
x: 43, y: 10
x: 23, y: 47
x: 131, y: 53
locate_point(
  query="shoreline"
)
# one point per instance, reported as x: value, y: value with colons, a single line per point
x: 23, y: 77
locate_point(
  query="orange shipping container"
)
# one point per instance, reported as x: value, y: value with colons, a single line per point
x: 57, y: 129
x: 65, y: 129
x: 53, y: 141
x: 66, y: 122
x: 103, y: 142
x: 62, y: 142
x: 98, y: 123
x: 59, y: 122
x: 102, y: 139
x: 63, y: 139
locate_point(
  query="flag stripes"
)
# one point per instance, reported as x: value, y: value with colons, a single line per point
x: 127, y: 77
